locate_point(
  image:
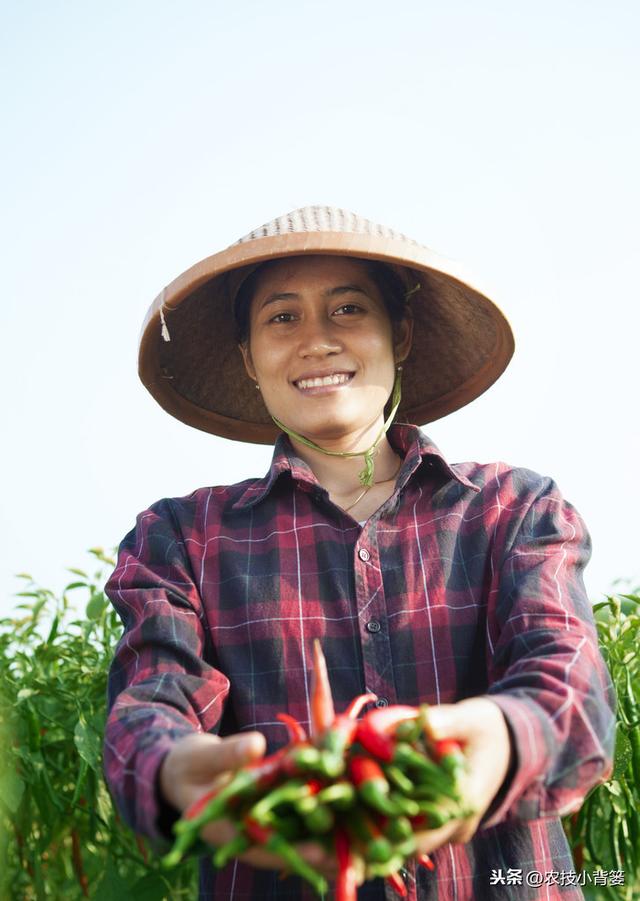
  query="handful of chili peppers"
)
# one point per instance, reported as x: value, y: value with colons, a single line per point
x: 362, y: 787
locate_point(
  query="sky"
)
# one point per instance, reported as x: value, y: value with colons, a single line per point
x: 140, y: 137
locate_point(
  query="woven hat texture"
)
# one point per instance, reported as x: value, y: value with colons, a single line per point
x: 190, y: 362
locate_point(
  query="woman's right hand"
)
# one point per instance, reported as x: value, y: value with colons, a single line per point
x: 196, y: 762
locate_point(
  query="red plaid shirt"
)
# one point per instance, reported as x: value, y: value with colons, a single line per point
x: 467, y: 581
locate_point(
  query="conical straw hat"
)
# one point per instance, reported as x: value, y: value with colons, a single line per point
x: 190, y: 362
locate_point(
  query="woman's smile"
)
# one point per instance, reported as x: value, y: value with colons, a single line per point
x: 315, y: 384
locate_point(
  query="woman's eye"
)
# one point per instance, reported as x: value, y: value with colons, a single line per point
x: 282, y: 317
x: 348, y: 308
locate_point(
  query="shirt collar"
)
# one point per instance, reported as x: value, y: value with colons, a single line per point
x: 408, y: 440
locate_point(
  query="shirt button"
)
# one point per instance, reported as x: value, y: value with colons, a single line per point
x: 364, y: 554
x: 382, y: 702
x: 373, y: 626
x: 404, y: 873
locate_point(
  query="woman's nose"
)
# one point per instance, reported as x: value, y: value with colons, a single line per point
x: 318, y: 339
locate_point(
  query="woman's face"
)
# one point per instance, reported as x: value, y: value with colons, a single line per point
x: 321, y: 345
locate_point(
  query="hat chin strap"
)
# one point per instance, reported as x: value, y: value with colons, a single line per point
x: 366, y: 474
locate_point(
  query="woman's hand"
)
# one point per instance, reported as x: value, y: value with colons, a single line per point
x: 480, y: 727
x: 192, y: 767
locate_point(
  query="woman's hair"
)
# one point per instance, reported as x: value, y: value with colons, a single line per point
x: 390, y: 285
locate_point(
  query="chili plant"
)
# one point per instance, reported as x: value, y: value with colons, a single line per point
x: 59, y: 834
x: 605, y: 832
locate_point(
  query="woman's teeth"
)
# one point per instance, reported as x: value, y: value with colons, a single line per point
x: 337, y: 379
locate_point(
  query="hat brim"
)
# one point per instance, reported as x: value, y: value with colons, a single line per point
x: 462, y: 342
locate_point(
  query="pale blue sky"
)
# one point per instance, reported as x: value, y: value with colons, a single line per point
x: 142, y: 136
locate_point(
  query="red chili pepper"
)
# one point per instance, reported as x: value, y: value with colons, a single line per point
x: 396, y: 882
x: 76, y: 856
x: 375, y: 730
x: 294, y: 729
x: 367, y: 776
x: 198, y: 806
x: 445, y: 747
x: 396, y: 829
x: 322, y: 710
x: 346, y: 884
x: 448, y: 752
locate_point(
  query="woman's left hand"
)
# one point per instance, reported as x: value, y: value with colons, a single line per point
x: 480, y: 727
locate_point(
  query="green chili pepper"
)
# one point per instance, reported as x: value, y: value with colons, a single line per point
x: 614, y: 840
x: 634, y: 739
x: 399, y: 779
x: 449, y: 755
x: 238, y: 845
x: 385, y: 868
x: 406, y: 848
x: 271, y: 841
x: 371, y: 784
x: 319, y: 820
x: 436, y: 815
x: 341, y: 795
x: 397, y: 829
x: 427, y: 773
x: 288, y: 793
x: 407, y: 806
x: 411, y: 731
x: 35, y: 739
x: 375, y: 847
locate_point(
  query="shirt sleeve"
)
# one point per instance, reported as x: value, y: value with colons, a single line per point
x: 546, y: 671
x: 160, y: 686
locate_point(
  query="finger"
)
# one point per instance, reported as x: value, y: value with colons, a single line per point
x: 238, y: 750
x: 311, y: 852
x: 211, y: 754
x: 427, y: 842
x: 465, y: 831
x: 466, y: 719
x: 223, y: 831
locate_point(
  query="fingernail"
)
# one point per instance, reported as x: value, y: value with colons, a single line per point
x: 246, y: 745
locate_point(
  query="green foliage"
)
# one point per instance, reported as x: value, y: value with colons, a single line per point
x: 59, y: 834
x: 605, y: 833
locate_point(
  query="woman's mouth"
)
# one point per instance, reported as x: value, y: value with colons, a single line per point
x: 322, y: 384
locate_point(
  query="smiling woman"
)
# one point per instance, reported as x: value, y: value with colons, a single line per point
x: 458, y: 586
x: 323, y: 351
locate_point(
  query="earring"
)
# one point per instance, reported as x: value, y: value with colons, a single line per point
x: 257, y: 387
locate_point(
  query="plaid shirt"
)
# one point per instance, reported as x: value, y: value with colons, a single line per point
x: 467, y: 581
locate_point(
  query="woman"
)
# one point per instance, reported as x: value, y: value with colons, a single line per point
x: 459, y: 586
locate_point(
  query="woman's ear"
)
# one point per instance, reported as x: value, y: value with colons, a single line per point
x: 248, y: 362
x: 403, y: 337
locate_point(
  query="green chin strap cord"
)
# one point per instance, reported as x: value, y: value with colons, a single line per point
x: 366, y: 474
